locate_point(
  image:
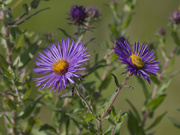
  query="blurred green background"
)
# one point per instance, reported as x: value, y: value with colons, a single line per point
x: 149, y: 16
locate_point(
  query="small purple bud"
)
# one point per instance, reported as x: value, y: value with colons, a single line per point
x: 121, y: 39
x: 162, y: 31
x: 93, y: 12
x: 176, y: 17
x: 78, y: 14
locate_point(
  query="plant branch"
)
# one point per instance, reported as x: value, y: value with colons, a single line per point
x: 7, y: 38
x: 119, y: 89
x: 25, y: 13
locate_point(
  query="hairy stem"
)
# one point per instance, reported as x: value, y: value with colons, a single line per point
x: 7, y: 38
x: 119, y: 89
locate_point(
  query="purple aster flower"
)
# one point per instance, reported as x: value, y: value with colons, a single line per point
x: 176, y: 17
x: 140, y: 61
x: 59, y: 64
x: 78, y: 14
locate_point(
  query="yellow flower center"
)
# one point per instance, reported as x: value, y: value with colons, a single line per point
x: 137, y: 61
x: 60, y: 67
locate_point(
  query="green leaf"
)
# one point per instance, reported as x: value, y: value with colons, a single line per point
x: 64, y: 32
x: 29, y: 109
x: 105, y: 82
x: 31, y: 122
x: 107, y: 103
x: 11, y: 104
x: 127, y: 22
x: 117, y: 129
x: 92, y: 39
x: 153, y: 104
x: 113, y: 112
x: 3, y: 62
x: 134, y: 110
x: 119, y: 119
x: 175, y: 122
x: 145, y: 89
x: 154, y: 79
x: 116, y: 80
x: 96, y: 57
x: 113, y: 57
x: 171, y: 63
x: 47, y: 127
x: 175, y: 37
x: 25, y: 7
x: 25, y: 57
x: 20, y: 42
x: 167, y: 82
x: 157, y: 121
x: 34, y: 3
x: 133, y: 125
x: 110, y: 130
x: 27, y: 93
x: 76, y: 117
x: 90, y: 116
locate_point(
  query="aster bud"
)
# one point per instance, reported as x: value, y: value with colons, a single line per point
x: 78, y: 14
x: 121, y: 39
x: 176, y: 17
x: 93, y: 13
x: 162, y: 31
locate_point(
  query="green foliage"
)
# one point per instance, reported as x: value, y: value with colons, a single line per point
x: 84, y: 111
x: 157, y: 121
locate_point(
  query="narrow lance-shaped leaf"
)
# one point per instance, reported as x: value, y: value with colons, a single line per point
x: 25, y: 7
x: 157, y: 121
x: 30, y: 125
x: 35, y: 3
x: 105, y: 82
x: 133, y: 124
x: 153, y: 104
x: 11, y: 104
x: 29, y: 109
x: 116, y: 80
x: 155, y: 79
x: 167, y: 82
x: 145, y: 89
x: 20, y: 42
x: 127, y: 22
x: 64, y: 32
x: 3, y: 62
x: 134, y: 110
x: 119, y: 122
x: 175, y: 122
x: 107, y: 103
x: 25, y: 57
x: 171, y: 64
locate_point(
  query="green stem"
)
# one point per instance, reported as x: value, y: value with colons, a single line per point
x: 119, y: 89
